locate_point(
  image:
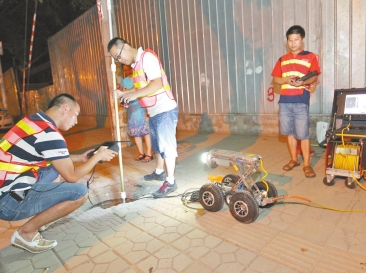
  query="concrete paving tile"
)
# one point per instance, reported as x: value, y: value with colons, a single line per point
x: 183, y: 228
x: 134, y: 257
x: 148, y: 265
x: 139, y: 246
x: 337, y: 261
x: 212, y: 241
x: 51, y: 262
x: 86, y: 267
x: 16, y: 266
x: 105, y: 258
x: 75, y: 261
x: 197, y: 267
x: 60, y: 270
x: 230, y: 267
x: 181, y: 262
x: 225, y: 247
x: 88, y: 242
x: 167, y: 252
x: 182, y: 243
x: 214, y: 223
x: 197, y: 234
x: 124, y: 248
x: 262, y: 264
x: 68, y: 253
x: 97, y: 250
x: 61, y: 245
x: 115, y: 241
x: 228, y: 258
x: 154, y: 245
x: 313, y: 231
x: 244, y: 256
x: 142, y: 238
x: 211, y: 260
x: 292, y: 251
x: 197, y: 242
x: 165, y: 264
x: 169, y: 238
x: 196, y: 252
x: 252, y: 236
x: 118, y: 265
x: 99, y: 268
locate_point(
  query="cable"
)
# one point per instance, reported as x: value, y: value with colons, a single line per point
x: 314, y: 204
x: 87, y: 184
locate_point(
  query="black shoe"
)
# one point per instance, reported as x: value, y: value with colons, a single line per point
x: 155, y: 176
x: 165, y: 189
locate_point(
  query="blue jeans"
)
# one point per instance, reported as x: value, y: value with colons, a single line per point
x: 294, y: 120
x: 163, y: 128
x: 39, y: 198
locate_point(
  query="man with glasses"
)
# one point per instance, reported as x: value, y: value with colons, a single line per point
x: 152, y: 89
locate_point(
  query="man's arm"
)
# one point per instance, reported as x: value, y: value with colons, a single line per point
x: 153, y: 86
x: 71, y: 173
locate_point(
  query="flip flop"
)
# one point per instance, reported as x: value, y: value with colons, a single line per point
x: 309, y: 172
x: 289, y: 166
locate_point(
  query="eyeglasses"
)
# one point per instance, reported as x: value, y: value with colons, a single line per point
x: 119, y: 55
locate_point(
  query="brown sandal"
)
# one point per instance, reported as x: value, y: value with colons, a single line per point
x: 309, y: 172
x: 147, y: 158
x: 289, y: 166
x: 140, y: 157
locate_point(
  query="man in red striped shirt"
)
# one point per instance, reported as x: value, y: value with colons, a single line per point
x: 295, y: 96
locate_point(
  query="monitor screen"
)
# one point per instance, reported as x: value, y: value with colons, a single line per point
x: 355, y: 104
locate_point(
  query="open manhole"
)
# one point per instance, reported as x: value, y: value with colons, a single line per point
x: 111, y: 203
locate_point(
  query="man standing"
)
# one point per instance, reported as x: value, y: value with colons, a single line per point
x: 295, y: 96
x: 32, y: 155
x: 152, y: 89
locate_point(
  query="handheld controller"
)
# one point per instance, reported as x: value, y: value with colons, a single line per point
x: 307, y: 76
x: 111, y: 145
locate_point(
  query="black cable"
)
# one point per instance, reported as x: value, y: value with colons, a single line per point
x: 87, y: 184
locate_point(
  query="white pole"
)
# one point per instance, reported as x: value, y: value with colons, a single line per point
x: 116, y: 105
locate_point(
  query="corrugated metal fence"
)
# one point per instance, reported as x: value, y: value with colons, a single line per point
x: 78, y: 65
x: 218, y: 54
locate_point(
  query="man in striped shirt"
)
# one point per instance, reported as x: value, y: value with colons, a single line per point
x: 33, y: 154
x: 295, y: 96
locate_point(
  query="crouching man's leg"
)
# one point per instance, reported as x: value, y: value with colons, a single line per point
x: 47, y: 202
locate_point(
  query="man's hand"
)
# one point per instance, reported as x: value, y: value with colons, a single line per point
x: 126, y: 96
x: 293, y: 82
x: 105, y: 154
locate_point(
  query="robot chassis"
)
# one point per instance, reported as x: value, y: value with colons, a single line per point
x: 239, y: 192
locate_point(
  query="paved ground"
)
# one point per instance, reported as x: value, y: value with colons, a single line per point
x: 164, y: 235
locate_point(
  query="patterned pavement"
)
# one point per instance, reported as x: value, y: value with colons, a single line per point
x: 164, y: 235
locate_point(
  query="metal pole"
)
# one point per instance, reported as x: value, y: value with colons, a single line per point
x: 2, y: 86
x: 24, y: 106
x: 116, y: 106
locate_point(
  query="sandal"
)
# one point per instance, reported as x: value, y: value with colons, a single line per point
x: 289, y: 166
x: 140, y: 157
x: 309, y: 172
x: 147, y: 158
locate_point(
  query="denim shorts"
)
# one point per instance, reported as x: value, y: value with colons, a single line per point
x: 163, y: 129
x: 39, y: 198
x: 294, y: 120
